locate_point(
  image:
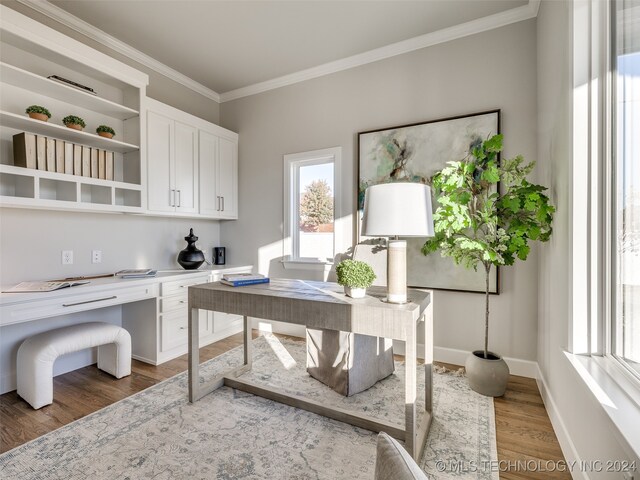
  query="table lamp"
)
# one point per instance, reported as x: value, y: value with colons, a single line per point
x: 392, y: 210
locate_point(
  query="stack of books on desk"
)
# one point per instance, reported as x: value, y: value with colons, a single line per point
x: 242, y: 279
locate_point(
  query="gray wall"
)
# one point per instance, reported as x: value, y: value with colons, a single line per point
x: 160, y: 87
x: 496, y: 69
x: 31, y: 242
x: 592, y: 435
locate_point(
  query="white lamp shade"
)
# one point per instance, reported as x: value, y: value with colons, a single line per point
x: 402, y: 209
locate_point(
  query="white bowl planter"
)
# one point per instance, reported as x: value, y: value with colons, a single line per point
x: 354, y: 292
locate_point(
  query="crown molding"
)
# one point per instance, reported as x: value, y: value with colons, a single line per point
x: 473, y: 27
x: 65, y: 18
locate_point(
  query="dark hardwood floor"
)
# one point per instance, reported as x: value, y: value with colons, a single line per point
x: 523, y: 430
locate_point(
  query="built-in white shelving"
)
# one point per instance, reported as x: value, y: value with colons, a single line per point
x: 30, y: 81
x: 26, y: 60
x: 25, y: 187
x: 24, y: 123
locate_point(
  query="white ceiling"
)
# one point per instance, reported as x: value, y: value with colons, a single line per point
x: 226, y: 45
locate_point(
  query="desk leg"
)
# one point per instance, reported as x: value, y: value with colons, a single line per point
x: 428, y: 356
x: 248, y: 345
x: 410, y: 392
x: 194, y: 354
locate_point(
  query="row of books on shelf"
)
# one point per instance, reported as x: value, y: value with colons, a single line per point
x: 53, y: 155
x: 243, y: 279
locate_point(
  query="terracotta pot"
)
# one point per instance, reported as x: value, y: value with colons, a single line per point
x: 75, y: 126
x: 487, y: 376
x: 354, y: 292
x: 38, y: 116
x: 105, y: 134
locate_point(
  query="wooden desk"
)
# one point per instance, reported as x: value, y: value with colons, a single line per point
x: 321, y: 305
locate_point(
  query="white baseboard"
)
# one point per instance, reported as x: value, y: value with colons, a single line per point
x: 566, y: 444
x: 517, y: 366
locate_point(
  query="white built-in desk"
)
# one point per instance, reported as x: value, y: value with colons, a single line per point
x: 153, y: 310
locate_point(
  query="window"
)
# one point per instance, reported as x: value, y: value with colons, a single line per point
x: 311, y: 205
x: 625, y: 215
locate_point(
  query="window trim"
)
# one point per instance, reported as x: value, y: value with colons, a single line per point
x: 292, y: 162
x: 593, y: 220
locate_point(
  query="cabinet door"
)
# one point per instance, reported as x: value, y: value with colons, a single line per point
x: 208, y: 154
x: 227, y: 181
x: 186, y: 175
x: 160, y: 165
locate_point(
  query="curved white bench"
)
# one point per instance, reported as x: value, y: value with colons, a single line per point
x: 37, y: 354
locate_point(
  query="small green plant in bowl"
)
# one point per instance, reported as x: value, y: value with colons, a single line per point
x: 74, y: 122
x: 106, y: 131
x: 355, y: 276
x: 39, y: 113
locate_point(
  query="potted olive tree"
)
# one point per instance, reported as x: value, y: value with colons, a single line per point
x: 479, y: 226
x: 356, y: 276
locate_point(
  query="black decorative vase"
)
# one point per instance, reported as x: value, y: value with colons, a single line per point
x: 191, y: 258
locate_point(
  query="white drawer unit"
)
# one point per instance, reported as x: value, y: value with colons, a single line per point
x: 181, y: 286
x: 27, y: 311
x: 176, y: 302
x: 173, y: 331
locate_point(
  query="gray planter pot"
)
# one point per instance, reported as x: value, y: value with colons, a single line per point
x: 487, y: 376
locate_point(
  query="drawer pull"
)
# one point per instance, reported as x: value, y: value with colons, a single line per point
x: 89, y: 301
x: 183, y: 328
x: 182, y: 301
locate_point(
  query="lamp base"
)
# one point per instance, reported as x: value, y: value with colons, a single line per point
x: 386, y: 300
x: 397, y: 271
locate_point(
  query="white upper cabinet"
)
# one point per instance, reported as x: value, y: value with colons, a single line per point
x: 227, y: 179
x: 192, y: 165
x: 209, y: 199
x: 160, y: 163
x: 186, y: 168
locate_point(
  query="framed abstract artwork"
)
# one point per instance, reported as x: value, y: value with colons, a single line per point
x: 415, y: 153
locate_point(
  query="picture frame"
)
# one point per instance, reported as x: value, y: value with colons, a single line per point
x: 415, y: 152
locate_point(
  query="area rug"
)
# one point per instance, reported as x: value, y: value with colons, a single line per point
x: 230, y: 434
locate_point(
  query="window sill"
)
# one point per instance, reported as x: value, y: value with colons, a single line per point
x: 307, y: 264
x: 618, y: 394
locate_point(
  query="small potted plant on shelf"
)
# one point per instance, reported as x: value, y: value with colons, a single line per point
x: 106, y: 131
x: 38, y: 113
x: 481, y: 224
x: 71, y: 121
x: 355, y: 276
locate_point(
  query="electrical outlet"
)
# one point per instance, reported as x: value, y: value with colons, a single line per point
x: 96, y: 256
x: 67, y: 257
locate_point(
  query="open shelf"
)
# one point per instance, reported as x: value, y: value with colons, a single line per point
x: 31, y: 188
x: 63, y: 177
x: 30, y: 81
x: 24, y: 123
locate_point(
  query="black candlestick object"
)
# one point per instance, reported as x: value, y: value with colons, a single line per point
x: 191, y: 258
